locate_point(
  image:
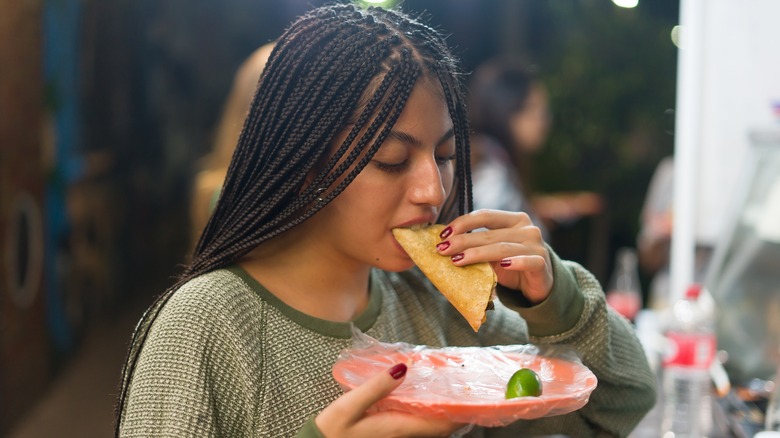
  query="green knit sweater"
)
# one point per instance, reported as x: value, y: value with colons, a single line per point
x: 226, y: 358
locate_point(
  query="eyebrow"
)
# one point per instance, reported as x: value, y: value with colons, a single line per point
x: 407, y: 138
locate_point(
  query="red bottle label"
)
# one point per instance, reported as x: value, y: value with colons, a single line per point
x: 689, y: 350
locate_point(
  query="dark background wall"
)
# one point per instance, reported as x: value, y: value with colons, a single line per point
x: 24, y: 350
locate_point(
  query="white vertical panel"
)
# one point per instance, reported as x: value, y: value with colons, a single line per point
x: 740, y: 77
x: 687, y: 141
x: 728, y: 79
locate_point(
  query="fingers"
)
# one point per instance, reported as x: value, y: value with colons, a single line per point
x: 524, y: 263
x: 509, y: 241
x: 352, y: 406
x: 498, y: 235
x: 393, y: 423
x: 490, y: 219
x: 347, y: 416
x: 463, y: 252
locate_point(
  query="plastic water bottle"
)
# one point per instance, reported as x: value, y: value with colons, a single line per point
x: 690, y: 349
x: 773, y: 409
x: 624, y: 293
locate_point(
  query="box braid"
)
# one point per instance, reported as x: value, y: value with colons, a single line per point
x: 335, y: 68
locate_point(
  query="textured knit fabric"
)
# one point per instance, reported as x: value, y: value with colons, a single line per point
x: 226, y: 358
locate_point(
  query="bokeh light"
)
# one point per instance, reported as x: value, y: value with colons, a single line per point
x: 626, y: 3
x: 676, y: 35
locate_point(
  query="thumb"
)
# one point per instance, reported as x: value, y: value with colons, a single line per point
x: 361, y: 398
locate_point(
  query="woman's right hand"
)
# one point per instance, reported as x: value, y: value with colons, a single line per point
x: 347, y: 416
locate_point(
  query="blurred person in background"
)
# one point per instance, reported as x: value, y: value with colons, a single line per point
x: 654, y: 240
x: 208, y: 181
x: 511, y: 119
x: 655, y: 233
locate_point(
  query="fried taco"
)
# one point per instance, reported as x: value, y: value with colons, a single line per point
x: 469, y: 288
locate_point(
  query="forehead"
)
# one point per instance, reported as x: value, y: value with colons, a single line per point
x: 425, y: 110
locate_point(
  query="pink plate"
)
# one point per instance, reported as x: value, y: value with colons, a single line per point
x: 468, y: 384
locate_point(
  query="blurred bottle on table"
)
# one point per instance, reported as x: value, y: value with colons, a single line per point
x: 773, y: 409
x: 690, y: 350
x: 624, y: 293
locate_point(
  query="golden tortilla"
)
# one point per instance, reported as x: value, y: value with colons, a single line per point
x: 469, y: 288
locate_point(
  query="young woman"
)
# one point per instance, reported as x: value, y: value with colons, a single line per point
x: 358, y: 127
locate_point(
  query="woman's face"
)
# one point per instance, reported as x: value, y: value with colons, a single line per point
x: 406, y: 183
x: 531, y: 124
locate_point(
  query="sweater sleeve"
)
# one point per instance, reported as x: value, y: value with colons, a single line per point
x: 310, y: 430
x: 576, y: 314
x: 189, y: 379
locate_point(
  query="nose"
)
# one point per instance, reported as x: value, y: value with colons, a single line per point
x: 426, y: 182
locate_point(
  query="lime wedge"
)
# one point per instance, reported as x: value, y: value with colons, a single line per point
x: 524, y: 382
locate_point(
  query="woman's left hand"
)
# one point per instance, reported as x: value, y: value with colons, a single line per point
x: 510, y: 242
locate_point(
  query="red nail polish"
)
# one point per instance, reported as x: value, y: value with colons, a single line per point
x: 505, y: 262
x: 398, y: 371
x: 457, y: 257
x: 446, y: 233
x: 443, y: 245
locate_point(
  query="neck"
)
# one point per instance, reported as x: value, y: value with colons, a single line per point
x: 309, y: 277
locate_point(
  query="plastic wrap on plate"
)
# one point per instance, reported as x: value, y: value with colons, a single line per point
x: 468, y: 384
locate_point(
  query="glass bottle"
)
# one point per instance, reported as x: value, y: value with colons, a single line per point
x: 624, y: 292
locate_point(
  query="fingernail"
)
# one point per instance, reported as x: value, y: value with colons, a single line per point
x: 398, y: 371
x: 446, y: 233
x: 457, y: 257
x: 505, y: 262
x: 442, y: 246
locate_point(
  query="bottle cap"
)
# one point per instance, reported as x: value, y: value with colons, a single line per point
x: 693, y: 291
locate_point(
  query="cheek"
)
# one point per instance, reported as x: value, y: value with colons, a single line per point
x: 366, y: 196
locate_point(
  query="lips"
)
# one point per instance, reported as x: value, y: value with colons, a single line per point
x: 417, y: 223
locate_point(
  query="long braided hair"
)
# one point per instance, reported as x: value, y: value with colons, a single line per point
x: 334, y: 69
